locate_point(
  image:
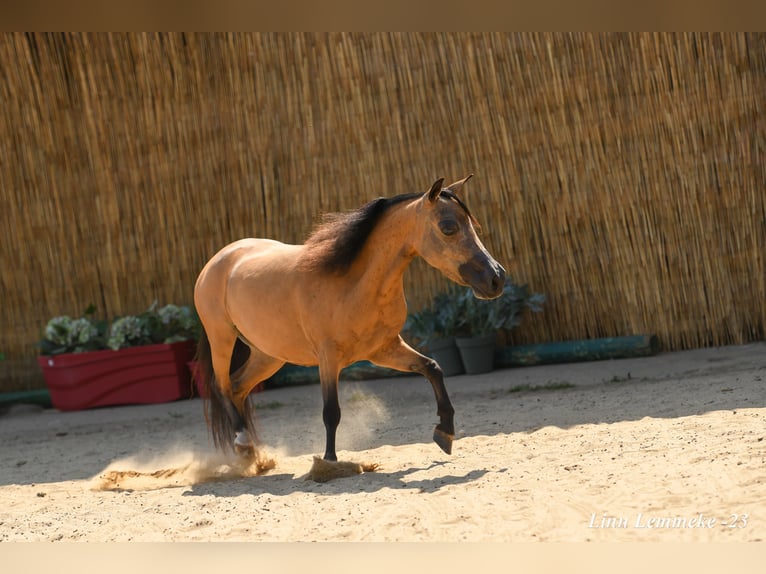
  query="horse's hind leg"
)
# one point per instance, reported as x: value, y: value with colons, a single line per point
x: 222, y: 414
x: 239, y: 357
x: 255, y: 370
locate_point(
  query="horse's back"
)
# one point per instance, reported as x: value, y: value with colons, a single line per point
x: 242, y: 259
x: 250, y: 246
x: 244, y: 252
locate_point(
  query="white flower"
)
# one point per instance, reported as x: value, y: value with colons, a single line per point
x: 170, y: 313
x: 82, y: 331
x: 181, y: 316
x: 58, y: 330
x: 125, y: 330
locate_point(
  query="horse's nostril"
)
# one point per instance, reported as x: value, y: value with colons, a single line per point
x: 497, y: 282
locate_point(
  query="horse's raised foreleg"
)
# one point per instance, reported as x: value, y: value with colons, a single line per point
x: 402, y: 357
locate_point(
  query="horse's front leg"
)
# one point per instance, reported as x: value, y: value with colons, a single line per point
x: 402, y: 357
x: 328, y: 378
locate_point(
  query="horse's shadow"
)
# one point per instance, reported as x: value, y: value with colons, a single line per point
x: 284, y: 484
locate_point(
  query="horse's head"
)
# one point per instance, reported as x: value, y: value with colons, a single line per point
x: 450, y: 244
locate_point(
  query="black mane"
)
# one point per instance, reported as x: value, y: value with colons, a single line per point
x: 340, y: 237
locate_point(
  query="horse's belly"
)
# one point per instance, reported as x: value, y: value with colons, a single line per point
x: 262, y: 305
x: 280, y: 341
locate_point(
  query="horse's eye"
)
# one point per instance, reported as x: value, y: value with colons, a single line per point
x: 448, y: 227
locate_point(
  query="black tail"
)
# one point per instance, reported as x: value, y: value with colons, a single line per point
x: 223, y: 418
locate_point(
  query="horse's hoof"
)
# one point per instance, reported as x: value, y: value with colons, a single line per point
x: 444, y: 440
x: 243, y: 446
x: 245, y: 452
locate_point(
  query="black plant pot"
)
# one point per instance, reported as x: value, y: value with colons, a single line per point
x: 445, y: 352
x: 477, y: 353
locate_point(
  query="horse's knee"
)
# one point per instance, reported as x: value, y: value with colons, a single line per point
x: 433, y: 369
x: 429, y: 368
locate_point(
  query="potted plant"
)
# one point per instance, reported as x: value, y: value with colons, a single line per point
x: 435, y: 328
x: 481, y: 320
x: 135, y: 359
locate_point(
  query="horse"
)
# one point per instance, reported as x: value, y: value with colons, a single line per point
x: 336, y: 299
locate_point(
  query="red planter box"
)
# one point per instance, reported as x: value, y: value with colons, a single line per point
x: 136, y: 375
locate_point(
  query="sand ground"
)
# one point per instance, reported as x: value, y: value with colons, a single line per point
x: 666, y: 448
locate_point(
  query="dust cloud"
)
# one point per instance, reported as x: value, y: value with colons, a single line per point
x: 178, y: 467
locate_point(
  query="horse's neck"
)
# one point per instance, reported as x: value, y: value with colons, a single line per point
x: 387, y: 254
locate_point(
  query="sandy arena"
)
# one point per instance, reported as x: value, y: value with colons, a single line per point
x: 668, y: 448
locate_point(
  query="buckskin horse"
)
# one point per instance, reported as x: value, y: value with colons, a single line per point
x: 335, y: 300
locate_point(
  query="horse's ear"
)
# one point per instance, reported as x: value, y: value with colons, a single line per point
x: 457, y: 186
x: 436, y: 189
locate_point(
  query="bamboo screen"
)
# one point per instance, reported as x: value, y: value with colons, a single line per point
x: 621, y: 175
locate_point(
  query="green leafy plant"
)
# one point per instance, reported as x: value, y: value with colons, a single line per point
x: 457, y: 312
x: 167, y: 324
x: 482, y: 317
x: 438, y: 321
x: 66, y: 335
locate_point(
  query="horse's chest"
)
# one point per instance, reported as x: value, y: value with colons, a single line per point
x: 369, y: 328
x: 353, y: 320
x: 362, y: 328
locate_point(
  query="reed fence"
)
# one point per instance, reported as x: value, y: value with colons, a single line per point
x: 622, y: 175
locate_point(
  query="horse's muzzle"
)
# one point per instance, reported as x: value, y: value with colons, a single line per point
x: 485, y: 276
